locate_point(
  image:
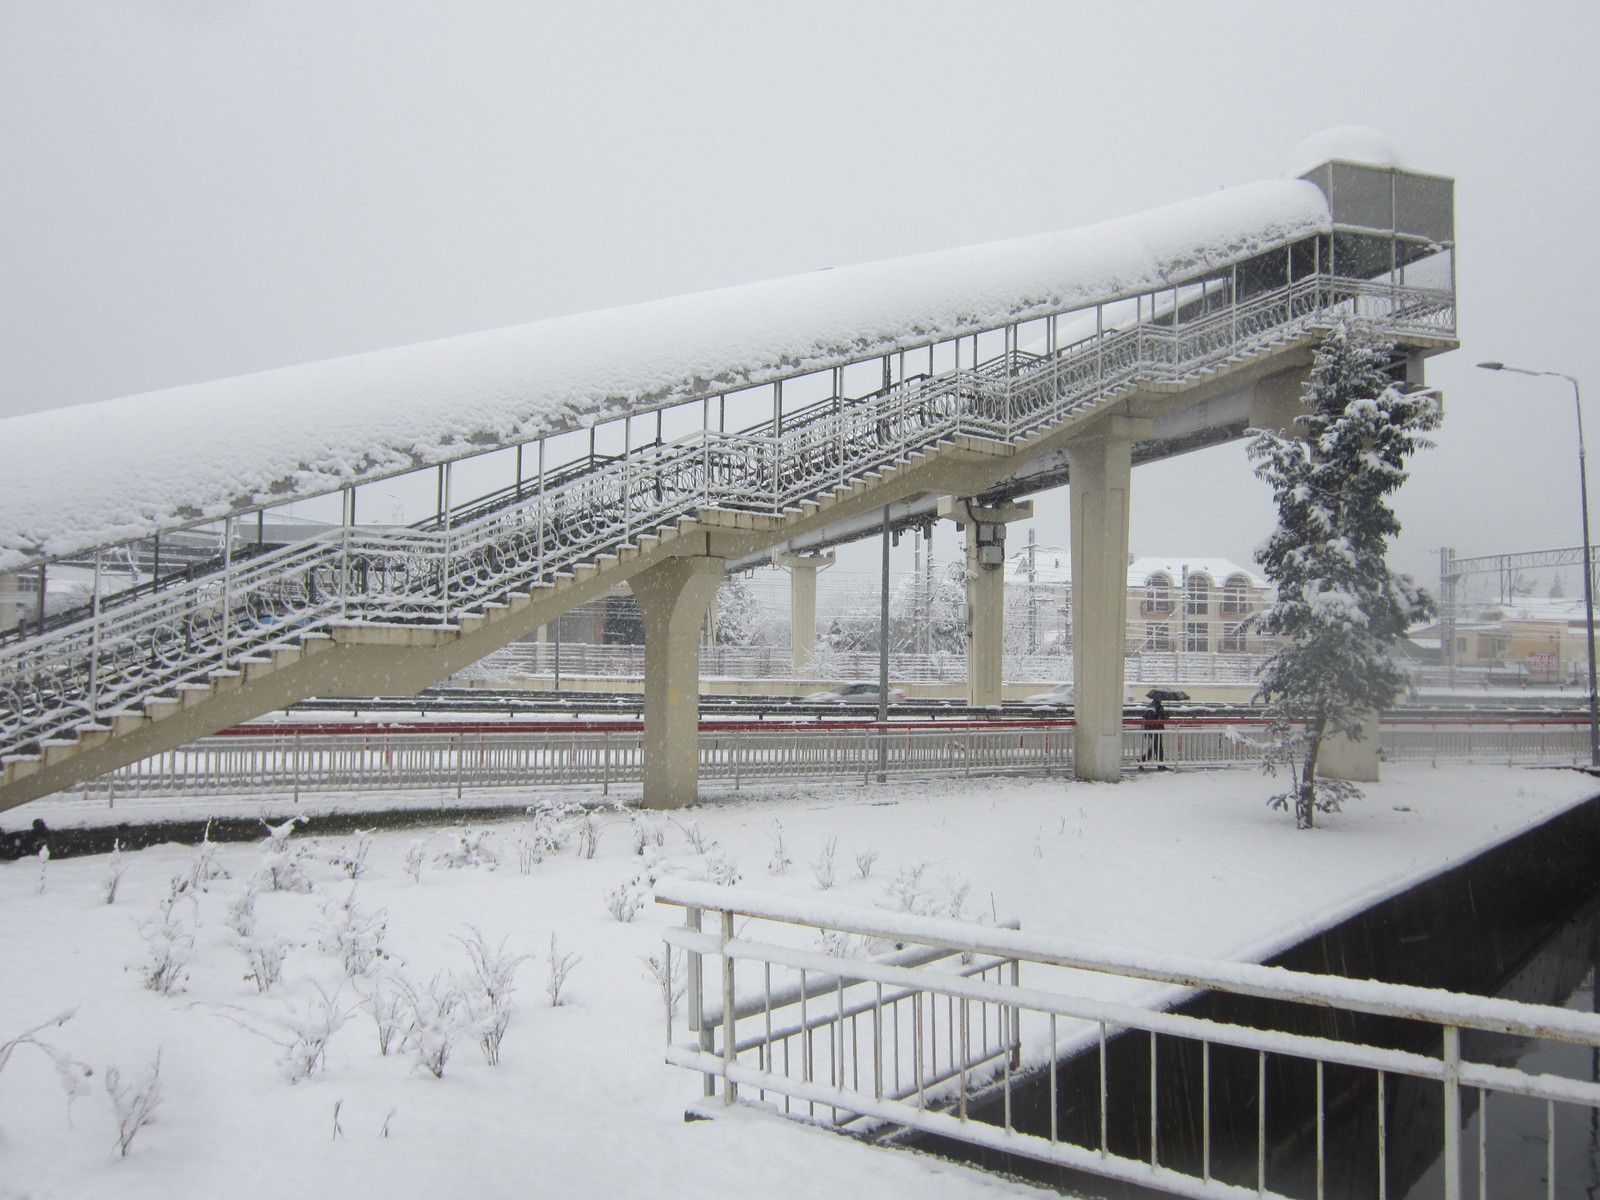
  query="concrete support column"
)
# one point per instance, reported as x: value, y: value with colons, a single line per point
x: 10, y: 595
x: 802, y: 570
x: 1100, y: 467
x: 674, y: 596
x: 985, y: 530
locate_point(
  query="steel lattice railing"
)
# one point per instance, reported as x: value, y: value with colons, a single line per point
x: 123, y: 650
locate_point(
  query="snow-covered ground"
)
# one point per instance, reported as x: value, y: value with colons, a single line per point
x: 581, y: 1103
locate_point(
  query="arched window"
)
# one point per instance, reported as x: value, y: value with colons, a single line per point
x: 1157, y: 593
x: 1197, y: 595
x: 1236, y: 596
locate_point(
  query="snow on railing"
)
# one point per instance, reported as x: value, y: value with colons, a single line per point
x: 116, y: 655
x: 876, y: 1022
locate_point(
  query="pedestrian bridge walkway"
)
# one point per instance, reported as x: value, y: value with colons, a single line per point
x: 969, y: 377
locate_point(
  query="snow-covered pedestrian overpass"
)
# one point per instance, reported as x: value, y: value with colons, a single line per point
x: 656, y: 445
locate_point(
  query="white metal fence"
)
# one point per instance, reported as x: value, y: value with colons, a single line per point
x: 869, y: 1021
x: 354, y: 757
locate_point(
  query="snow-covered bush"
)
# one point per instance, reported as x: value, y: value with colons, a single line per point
x: 69, y: 1071
x: 170, y: 940
x: 388, y: 1005
x: 647, y: 831
x: 242, y: 913
x: 265, y: 957
x: 469, y: 848
x: 722, y: 868
x: 353, y: 934
x: 667, y: 970
x: 203, y: 865
x: 589, y: 833
x: 115, y: 870
x: 133, y: 1101
x: 694, y: 836
x: 416, y: 857
x: 351, y: 856
x: 780, y: 860
x: 561, y: 966
x: 434, y: 1020
x: 486, y: 994
x: 625, y: 900
x: 864, y: 861
x: 280, y: 869
x: 309, y: 1027
x: 822, y: 867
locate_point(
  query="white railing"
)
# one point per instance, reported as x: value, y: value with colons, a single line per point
x: 132, y: 646
x: 869, y: 1021
x: 606, y: 754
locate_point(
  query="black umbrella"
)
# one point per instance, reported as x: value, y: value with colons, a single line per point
x: 1167, y: 694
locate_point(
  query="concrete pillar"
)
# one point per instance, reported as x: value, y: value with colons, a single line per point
x: 10, y: 595
x: 1342, y: 758
x: 674, y: 596
x: 802, y: 570
x: 985, y: 530
x: 1100, y: 474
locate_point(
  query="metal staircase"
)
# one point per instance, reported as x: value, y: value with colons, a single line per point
x: 262, y: 625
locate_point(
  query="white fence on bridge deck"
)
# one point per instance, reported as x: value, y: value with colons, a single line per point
x: 287, y: 762
x: 933, y: 1012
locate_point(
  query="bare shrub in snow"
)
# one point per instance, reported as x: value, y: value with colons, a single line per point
x: 864, y: 861
x: 487, y: 991
x: 434, y: 1020
x: 69, y: 1070
x: 780, y: 860
x: 667, y: 970
x: 265, y: 956
x: 721, y: 867
x: 647, y: 832
x: 416, y: 858
x: 351, y: 856
x: 561, y: 966
x: 134, y: 1102
x: 171, y: 942
x: 280, y: 869
x: 589, y: 834
x: 469, y: 848
x: 388, y: 1005
x: 302, y: 1031
x: 625, y: 900
x: 822, y: 867
x: 203, y: 865
x: 695, y: 837
x: 353, y: 934
x: 905, y: 890
x: 242, y: 913
x: 837, y: 944
x: 115, y: 870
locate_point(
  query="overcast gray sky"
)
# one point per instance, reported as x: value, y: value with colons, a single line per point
x: 200, y: 188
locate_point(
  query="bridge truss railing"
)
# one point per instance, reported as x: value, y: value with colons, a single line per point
x: 114, y: 654
x: 875, y: 1022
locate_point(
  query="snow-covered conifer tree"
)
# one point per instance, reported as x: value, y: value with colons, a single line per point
x: 1339, y: 608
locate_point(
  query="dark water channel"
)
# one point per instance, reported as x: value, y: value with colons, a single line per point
x: 1522, y: 921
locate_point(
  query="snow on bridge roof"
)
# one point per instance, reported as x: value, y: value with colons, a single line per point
x: 96, y: 474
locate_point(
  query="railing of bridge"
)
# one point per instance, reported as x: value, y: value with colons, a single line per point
x: 121, y: 650
x: 321, y: 760
x: 871, y: 1021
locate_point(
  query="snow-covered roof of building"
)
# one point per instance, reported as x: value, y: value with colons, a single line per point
x: 1053, y: 564
x: 1177, y: 569
x: 96, y: 474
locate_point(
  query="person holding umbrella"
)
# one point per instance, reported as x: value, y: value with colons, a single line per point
x: 1155, y: 721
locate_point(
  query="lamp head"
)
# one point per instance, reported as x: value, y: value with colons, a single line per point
x: 1493, y: 366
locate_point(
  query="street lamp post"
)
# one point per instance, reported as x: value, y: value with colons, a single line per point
x: 1588, y: 556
